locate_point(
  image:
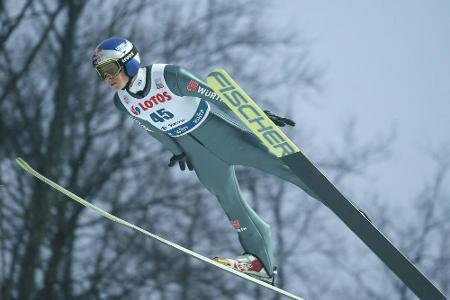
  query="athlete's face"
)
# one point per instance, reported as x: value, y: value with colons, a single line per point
x: 117, y: 82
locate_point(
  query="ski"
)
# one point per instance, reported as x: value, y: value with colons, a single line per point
x: 356, y: 220
x: 25, y: 166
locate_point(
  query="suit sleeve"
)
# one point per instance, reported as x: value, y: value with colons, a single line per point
x: 183, y: 83
x: 166, y: 140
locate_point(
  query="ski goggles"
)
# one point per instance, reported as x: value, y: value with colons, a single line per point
x: 113, y: 66
x: 110, y: 67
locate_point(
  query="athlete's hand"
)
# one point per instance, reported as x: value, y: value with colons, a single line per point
x: 279, y: 121
x: 182, y: 160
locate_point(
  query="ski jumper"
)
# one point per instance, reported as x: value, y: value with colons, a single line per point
x: 186, y: 116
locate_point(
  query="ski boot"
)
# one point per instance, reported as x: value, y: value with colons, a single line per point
x: 249, y: 265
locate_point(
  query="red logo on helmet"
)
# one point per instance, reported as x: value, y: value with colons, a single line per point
x: 97, y: 57
x: 236, y: 224
x: 192, y: 85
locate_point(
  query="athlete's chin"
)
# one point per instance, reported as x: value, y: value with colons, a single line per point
x: 115, y: 86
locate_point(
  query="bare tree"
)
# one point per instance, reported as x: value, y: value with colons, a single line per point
x: 420, y: 231
x: 58, y: 116
x: 425, y: 235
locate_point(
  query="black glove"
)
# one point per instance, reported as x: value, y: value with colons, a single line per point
x: 279, y: 121
x: 182, y: 160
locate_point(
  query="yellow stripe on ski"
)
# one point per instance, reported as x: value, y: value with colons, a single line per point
x: 251, y: 114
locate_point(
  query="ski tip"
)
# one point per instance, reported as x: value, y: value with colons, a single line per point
x: 22, y: 163
x: 218, y: 70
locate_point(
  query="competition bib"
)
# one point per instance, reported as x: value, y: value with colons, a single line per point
x: 166, y: 111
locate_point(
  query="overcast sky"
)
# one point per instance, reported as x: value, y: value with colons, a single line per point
x: 388, y: 64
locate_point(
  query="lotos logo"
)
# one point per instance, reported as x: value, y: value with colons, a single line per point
x: 135, y: 110
x: 192, y: 85
x: 152, y: 101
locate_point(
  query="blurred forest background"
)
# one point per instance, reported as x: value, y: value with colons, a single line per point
x: 56, y: 114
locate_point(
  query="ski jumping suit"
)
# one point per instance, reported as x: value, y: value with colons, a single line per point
x: 186, y: 116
